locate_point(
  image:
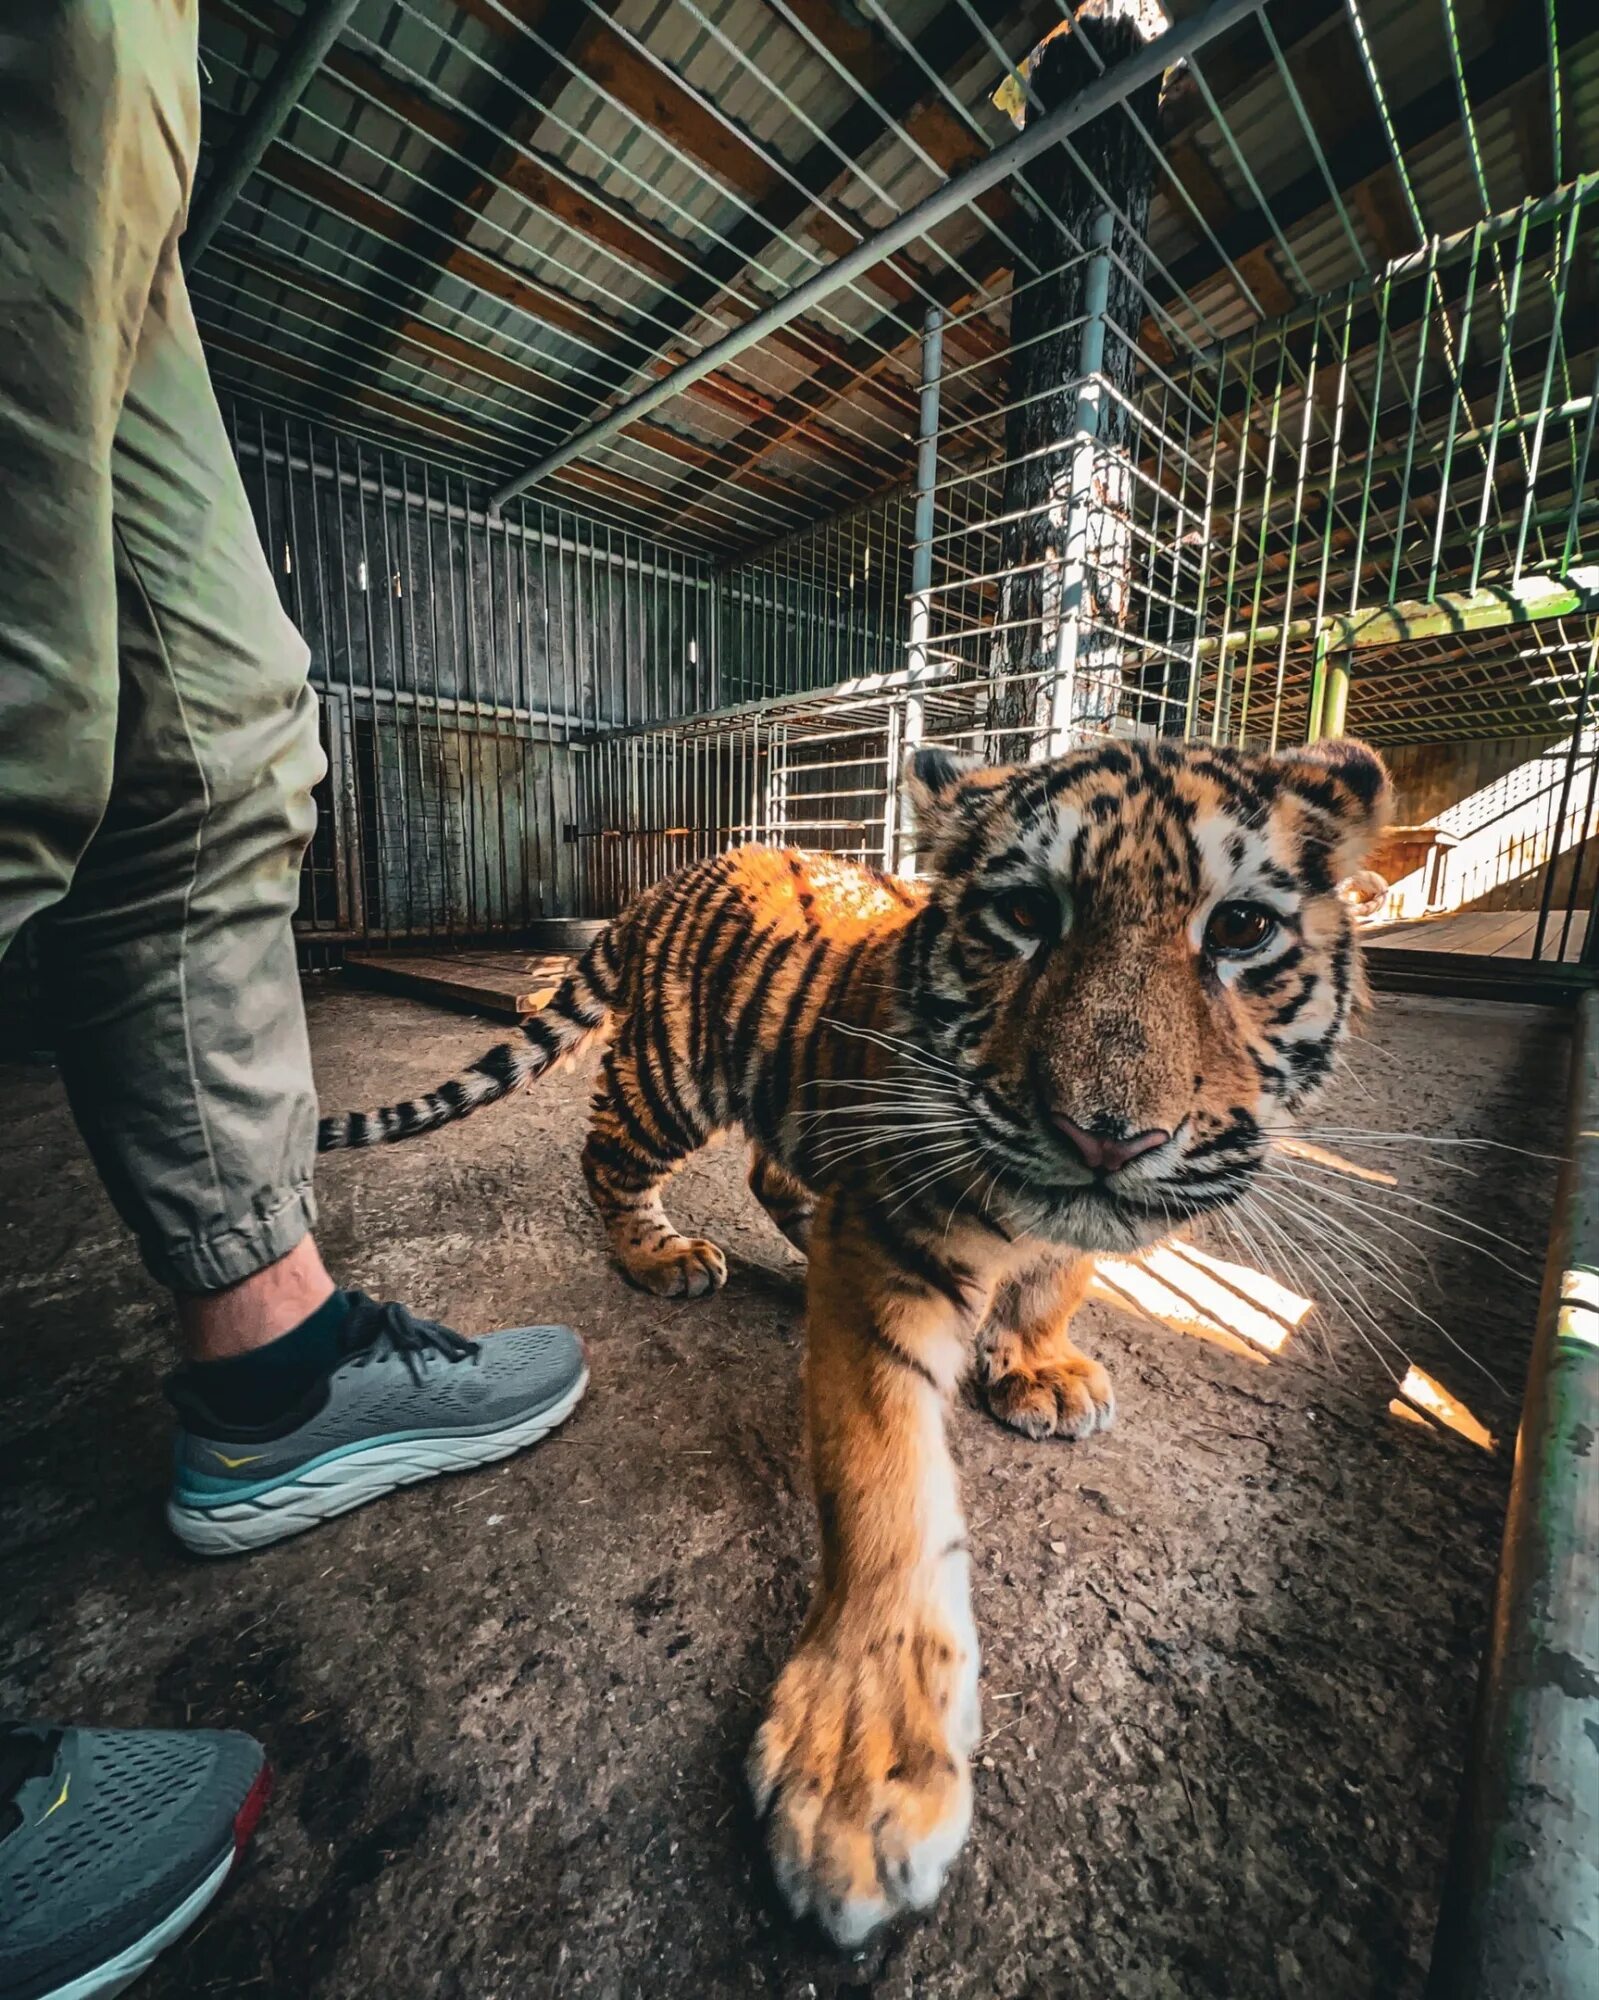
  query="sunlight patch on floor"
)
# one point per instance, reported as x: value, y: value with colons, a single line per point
x: 1321, y: 1156
x: 1252, y: 1314
x: 1435, y: 1401
x: 1407, y: 1415
x: 1190, y: 1291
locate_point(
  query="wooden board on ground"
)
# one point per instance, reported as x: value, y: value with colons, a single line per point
x: 508, y: 984
x: 1483, y: 934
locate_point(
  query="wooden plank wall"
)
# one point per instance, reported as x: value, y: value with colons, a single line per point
x: 1501, y: 798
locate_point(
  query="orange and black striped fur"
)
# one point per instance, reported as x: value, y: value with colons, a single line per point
x: 1124, y: 972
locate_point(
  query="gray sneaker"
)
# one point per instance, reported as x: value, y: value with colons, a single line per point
x: 112, y: 1841
x: 407, y: 1399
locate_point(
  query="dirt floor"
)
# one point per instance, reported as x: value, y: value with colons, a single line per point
x: 1229, y: 1649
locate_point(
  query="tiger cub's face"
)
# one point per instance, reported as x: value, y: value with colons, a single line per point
x: 1135, y: 968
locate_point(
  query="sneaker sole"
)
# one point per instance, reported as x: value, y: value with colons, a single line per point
x: 325, y: 1491
x: 118, y: 1973
x: 121, y: 1971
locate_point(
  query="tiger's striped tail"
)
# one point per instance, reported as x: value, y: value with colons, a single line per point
x: 580, y: 1009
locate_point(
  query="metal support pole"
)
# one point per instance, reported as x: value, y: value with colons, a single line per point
x: 302, y: 56
x: 921, y: 605
x: 899, y: 844
x: 1086, y: 524
x: 1318, y: 688
x: 1103, y: 94
x: 1335, y: 705
x: 1520, y: 1916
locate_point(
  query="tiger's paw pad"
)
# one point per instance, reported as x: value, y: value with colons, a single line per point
x: 860, y: 1773
x: 685, y: 1267
x: 1068, y: 1399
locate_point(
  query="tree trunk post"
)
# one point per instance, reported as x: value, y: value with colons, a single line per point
x: 1065, y: 546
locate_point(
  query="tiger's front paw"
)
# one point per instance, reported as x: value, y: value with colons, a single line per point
x: 680, y: 1267
x: 860, y: 1770
x: 1065, y: 1396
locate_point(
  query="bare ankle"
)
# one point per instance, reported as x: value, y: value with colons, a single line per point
x: 258, y: 1309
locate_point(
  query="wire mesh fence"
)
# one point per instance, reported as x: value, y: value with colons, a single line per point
x: 1386, y: 488
x: 463, y: 662
x: 818, y: 608
x: 1255, y: 401
x: 1424, y: 439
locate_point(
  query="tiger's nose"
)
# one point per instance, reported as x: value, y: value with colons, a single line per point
x: 1104, y: 1154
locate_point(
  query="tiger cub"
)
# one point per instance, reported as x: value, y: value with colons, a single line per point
x: 1123, y: 972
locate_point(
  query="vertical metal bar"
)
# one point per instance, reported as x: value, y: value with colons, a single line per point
x: 431, y: 840
x: 1307, y: 414
x: 369, y: 640
x: 550, y: 874
x: 535, y: 874
x: 1507, y: 329
x: 516, y: 688
x: 268, y: 530
x: 1565, y: 254
x: 1551, y: 866
x: 1590, y: 938
x: 296, y: 555
x: 1385, y: 299
x: 898, y: 838
x: 559, y: 757
x: 893, y: 754
x: 406, y: 585
x: 1456, y: 405
x: 1580, y: 481
x: 390, y: 574
x: 1272, y: 439
x: 1318, y: 688
x: 498, y: 665
x: 346, y: 835
x: 463, y: 737
x: 1517, y: 1911
x: 1202, y: 585
x: 1220, y: 721
x: 594, y: 675
x: 1414, y: 425
x: 381, y: 914
x: 446, y: 911
x: 1335, y: 706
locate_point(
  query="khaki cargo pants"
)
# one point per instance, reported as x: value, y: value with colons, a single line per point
x: 158, y: 741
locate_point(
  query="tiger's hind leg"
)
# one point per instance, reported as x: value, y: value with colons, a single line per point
x: 1033, y: 1378
x: 788, y: 1201
x: 636, y: 1140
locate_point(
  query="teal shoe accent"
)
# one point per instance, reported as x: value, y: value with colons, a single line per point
x: 408, y: 1400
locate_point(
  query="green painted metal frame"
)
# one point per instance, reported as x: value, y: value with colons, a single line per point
x: 1520, y: 1917
x: 1454, y: 527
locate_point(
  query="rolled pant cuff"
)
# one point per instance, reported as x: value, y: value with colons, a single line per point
x: 229, y: 1256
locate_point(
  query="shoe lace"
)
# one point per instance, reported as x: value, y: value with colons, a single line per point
x: 392, y: 1331
x: 24, y: 1753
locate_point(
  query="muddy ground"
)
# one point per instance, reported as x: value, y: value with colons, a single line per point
x: 1230, y: 1648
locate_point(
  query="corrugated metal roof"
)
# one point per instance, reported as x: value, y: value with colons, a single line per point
x: 488, y: 224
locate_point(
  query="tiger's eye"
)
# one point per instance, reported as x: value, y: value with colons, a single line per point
x: 1237, y: 929
x: 1027, y: 911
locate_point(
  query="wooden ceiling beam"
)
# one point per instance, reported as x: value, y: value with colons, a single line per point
x: 1228, y: 70
x: 900, y: 87
x: 397, y: 232
x: 566, y: 196
x: 442, y: 345
x: 407, y: 267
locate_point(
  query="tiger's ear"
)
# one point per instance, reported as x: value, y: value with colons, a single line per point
x: 934, y: 781
x: 1344, y: 789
